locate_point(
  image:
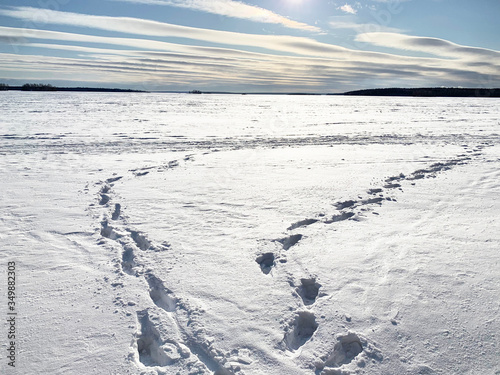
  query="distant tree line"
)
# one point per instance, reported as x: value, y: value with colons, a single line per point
x: 28, y: 87
x: 48, y: 87
x: 37, y: 87
x: 429, y: 92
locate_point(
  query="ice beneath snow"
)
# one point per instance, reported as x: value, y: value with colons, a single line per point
x: 206, y: 234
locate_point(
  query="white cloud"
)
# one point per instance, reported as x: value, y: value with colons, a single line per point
x: 362, y: 27
x: 348, y: 9
x: 128, y: 25
x: 434, y: 46
x: 230, y: 8
x: 278, y: 44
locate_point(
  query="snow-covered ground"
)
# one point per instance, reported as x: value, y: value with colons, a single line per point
x: 194, y: 234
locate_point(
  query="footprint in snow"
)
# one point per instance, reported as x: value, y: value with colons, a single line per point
x: 161, y: 296
x: 343, y: 216
x: 266, y: 262
x: 308, y: 290
x: 349, y: 347
x: 302, y: 223
x: 290, y: 241
x: 116, y: 213
x: 153, y: 350
x: 113, y: 179
x: 300, y: 330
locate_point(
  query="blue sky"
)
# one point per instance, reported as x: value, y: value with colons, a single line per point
x: 251, y: 46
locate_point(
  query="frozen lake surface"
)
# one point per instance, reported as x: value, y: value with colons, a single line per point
x: 247, y: 234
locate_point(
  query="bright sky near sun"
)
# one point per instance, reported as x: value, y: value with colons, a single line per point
x: 251, y: 46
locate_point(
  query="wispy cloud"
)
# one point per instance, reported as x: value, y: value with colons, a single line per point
x: 348, y: 9
x: 277, y: 44
x: 362, y: 28
x: 290, y: 45
x: 434, y: 46
x: 230, y: 8
x: 128, y: 25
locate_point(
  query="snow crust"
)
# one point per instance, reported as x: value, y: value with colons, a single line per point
x: 192, y: 234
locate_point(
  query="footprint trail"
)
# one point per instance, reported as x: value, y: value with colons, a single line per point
x: 169, y: 333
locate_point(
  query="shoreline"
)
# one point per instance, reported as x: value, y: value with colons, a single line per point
x: 424, y: 92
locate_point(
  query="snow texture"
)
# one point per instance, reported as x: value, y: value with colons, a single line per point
x: 161, y: 234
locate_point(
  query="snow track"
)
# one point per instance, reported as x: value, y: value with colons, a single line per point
x: 168, y: 334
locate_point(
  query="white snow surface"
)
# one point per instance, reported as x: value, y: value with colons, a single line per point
x: 225, y: 234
